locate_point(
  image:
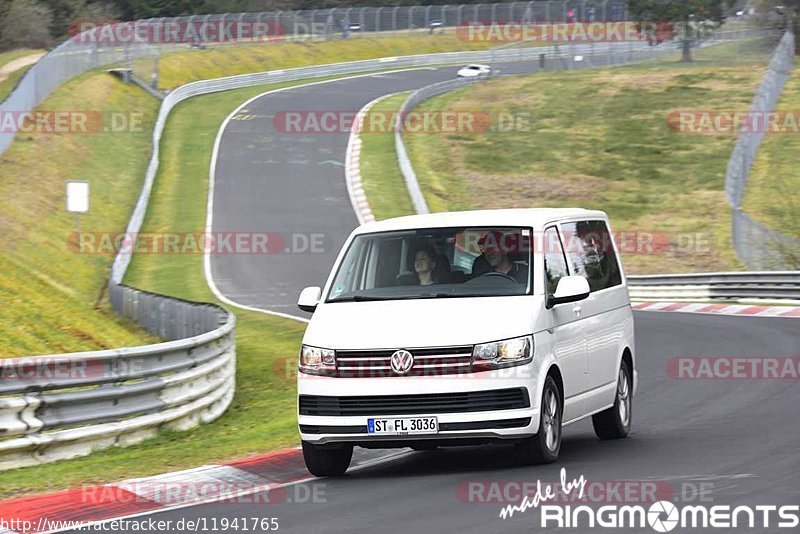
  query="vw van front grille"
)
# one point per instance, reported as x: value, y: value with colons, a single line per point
x: 376, y: 405
x: 427, y: 362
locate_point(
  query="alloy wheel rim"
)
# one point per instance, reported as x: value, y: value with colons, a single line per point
x: 551, y: 421
x: 623, y: 398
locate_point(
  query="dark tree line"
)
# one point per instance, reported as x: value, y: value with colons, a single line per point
x: 42, y: 23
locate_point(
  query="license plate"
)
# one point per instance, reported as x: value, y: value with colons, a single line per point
x: 403, y: 425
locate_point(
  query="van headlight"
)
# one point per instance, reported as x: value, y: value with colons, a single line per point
x: 506, y: 353
x: 317, y: 361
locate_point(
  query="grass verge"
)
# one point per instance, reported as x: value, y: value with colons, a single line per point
x: 262, y: 414
x: 600, y: 138
x: 48, y: 292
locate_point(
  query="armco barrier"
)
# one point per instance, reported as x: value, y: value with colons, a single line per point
x: 123, y: 43
x: 768, y: 285
x: 353, y: 67
x: 415, y: 99
x: 67, y: 405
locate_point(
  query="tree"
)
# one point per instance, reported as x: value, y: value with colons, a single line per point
x: 68, y: 13
x: 689, y: 15
x: 25, y: 23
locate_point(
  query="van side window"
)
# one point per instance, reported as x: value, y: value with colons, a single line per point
x: 590, y: 251
x: 555, y: 265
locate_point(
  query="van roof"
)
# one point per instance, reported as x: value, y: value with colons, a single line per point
x: 534, y: 217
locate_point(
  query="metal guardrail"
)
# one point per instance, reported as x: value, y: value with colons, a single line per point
x: 626, y: 51
x: 413, y: 100
x: 66, y: 405
x: 766, y: 285
x: 128, y: 43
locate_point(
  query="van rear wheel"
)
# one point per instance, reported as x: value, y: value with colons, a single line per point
x: 544, y: 447
x: 327, y: 460
x: 615, y: 422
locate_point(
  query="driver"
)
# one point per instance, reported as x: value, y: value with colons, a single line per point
x: 494, y: 246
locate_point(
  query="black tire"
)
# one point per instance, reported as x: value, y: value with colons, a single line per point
x: 615, y: 422
x: 544, y: 447
x: 327, y: 460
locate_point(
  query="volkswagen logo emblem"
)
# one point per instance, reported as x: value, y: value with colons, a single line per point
x: 401, y: 362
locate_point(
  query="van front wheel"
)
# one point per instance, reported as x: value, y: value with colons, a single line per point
x: 615, y: 422
x: 327, y: 460
x: 544, y: 447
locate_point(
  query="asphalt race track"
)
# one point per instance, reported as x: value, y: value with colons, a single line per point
x: 294, y: 184
x: 735, y: 439
x: 271, y: 181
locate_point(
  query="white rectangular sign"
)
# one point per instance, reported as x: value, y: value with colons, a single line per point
x: 77, y: 196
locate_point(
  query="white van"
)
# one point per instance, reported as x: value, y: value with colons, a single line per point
x: 467, y: 328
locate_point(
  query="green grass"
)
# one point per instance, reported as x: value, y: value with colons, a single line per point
x: 598, y: 139
x: 48, y: 292
x: 176, y: 68
x: 382, y: 179
x: 771, y: 196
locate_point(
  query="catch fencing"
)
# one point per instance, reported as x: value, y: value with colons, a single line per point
x: 563, y: 55
x: 758, y: 246
x: 95, y: 44
x: 570, y: 56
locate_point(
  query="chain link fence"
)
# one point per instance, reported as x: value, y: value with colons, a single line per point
x: 571, y: 56
x: 138, y: 45
x: 756, y: 245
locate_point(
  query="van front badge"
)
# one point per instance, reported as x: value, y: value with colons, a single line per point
x: 401, y: 362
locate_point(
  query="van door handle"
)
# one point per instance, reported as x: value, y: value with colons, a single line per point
x: 577, y: 311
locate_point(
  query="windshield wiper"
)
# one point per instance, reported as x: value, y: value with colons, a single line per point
x: 359, y: 298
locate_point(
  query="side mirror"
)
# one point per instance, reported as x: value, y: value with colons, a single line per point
x: 309, y: 298
x: 569, y: 289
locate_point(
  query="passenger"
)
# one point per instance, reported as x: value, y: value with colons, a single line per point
x: 425, y: 265
x: 493, y: 245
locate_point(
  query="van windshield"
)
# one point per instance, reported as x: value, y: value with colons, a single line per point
x: 435, y: 263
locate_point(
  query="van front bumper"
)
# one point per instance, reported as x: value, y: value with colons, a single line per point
x: 482, y: 406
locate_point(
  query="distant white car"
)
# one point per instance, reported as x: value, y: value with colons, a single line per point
x: 471, y: 71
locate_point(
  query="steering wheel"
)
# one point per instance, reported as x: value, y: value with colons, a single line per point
x: 499, y: 275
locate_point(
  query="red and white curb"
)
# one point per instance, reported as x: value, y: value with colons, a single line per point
x: 352, y: 166
x: 262, y: 480
x: 719, y: 309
